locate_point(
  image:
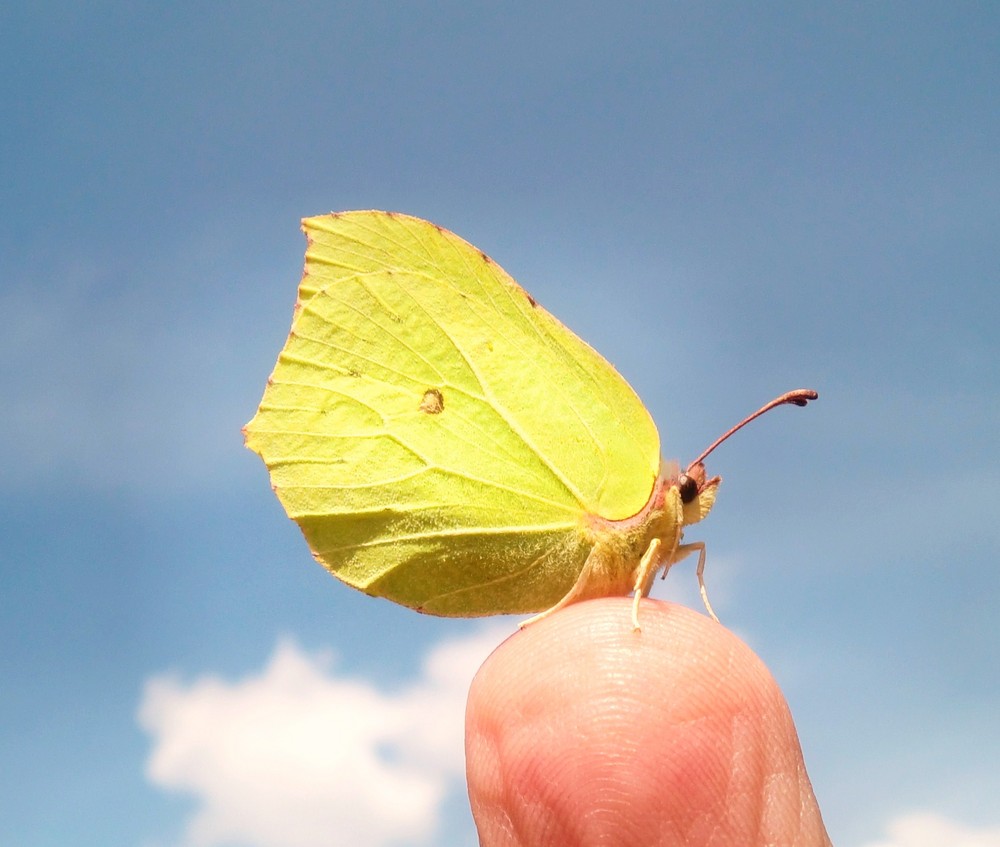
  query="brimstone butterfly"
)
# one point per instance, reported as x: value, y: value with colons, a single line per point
x: 444, y: 442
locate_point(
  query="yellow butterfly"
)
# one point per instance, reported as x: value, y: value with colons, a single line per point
x: 446, y: 443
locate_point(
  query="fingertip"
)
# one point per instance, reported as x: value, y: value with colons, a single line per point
x: 580, y: 729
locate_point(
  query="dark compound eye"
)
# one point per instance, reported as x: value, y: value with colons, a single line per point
x: 688, y: 488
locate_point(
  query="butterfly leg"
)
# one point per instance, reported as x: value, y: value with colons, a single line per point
x: 681, y: 552
x: 686, y: 549
x: 583, y: 588
x: 644, y: 574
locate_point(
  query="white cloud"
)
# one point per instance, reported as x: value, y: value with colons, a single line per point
x: 924, y: 829
x: 299, y: 756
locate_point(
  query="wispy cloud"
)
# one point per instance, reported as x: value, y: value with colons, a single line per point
x: 925, y: 829
x: 298, y: 755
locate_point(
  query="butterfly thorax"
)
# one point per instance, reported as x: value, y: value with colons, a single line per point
x: 619, y: 545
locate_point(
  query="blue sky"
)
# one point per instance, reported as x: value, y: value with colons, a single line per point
x: 727, y: 201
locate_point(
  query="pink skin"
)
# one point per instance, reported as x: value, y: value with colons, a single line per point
x: 580, y: 731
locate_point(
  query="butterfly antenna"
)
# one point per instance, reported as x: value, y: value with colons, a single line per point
x: 799, y: 397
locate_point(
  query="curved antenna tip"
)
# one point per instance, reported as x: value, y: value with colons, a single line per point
x: 798, y: 397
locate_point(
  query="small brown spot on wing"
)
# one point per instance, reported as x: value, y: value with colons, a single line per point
x: 432, y: 402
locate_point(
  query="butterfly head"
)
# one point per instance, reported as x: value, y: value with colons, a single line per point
x: 697, y: 492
